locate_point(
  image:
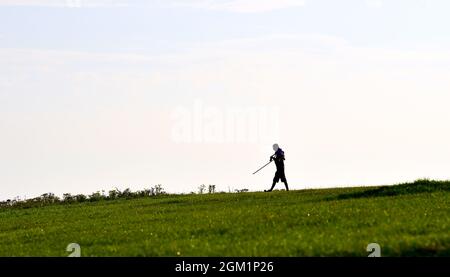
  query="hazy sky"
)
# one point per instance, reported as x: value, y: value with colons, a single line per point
x: 102, y: 94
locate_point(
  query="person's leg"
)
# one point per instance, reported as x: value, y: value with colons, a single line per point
x: 273, y: 186
x: 275, y: 181
x: 286, y: 185
x: 283, y: 178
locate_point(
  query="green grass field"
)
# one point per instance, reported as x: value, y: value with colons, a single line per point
x: 405, y: 220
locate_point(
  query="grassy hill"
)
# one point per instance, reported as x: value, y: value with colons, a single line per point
x: 405, y: 220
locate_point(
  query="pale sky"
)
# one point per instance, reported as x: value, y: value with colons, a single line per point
x: 102, y: 94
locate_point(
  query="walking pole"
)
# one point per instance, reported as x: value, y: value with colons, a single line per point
x: 262, y: 167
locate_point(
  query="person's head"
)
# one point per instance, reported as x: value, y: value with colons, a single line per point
x: 275, y: 147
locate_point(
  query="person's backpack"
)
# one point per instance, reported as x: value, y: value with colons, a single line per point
x: 280, y: 153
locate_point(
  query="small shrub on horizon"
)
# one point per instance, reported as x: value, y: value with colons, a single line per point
x: 211, y: 189
x: 201, y: 189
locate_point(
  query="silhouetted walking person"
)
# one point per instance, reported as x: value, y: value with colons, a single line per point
x: 278, y: 158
